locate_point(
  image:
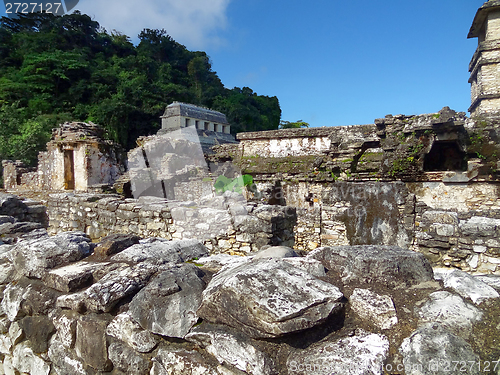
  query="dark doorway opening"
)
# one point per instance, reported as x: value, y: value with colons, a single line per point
x: 69, y: 170
x: 445, y: 156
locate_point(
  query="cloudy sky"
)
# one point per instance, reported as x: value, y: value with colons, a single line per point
x: 329, y: 62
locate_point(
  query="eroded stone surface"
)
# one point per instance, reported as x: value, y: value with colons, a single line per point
x: 362, y: 354
x: 434, y: 350
x: 128, y: 360
x: 451, y: 311
x: 168, y: 304
x: 388, y: 265
x: 268, y: 298
x: 161, y: 251
x: 124, y: 328
x: 71, y: 277
x: 33, y: 258
x: 469, y: 287
x: 181, y: 362
x: 374, y: 308
x: 234, y: 350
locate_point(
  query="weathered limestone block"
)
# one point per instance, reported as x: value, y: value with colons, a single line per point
x: 37, y: 329
x: 432, y: 349
x: 65, y: 361
x: 114, y: 243
x: 451, y: 311
x: 107, y: 292
x: 127, y: 360
x: 26, y: 361
x: 90, y: 344
x: 159, y: 251
x: 482, y: 226
x: 168, y: 304
x: 13, y: 297
x: 6, y: 219
x: 312, y: 266
x: 65, y: 323
x: 214, y: 263
x: 388, y: 265
x: 34, y: 258
x: 234, y: 350
x: 491, y: 280
x: 181, y: 362
x: 124, y: 328
x: 374, y: 308
x: 72, y: 277
x: 276, y: 252
x: 272, y: 298
x: 469, y: 287
x: 362, y: 354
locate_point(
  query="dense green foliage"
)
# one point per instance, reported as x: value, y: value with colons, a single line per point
x: 293, y: 125
x: 59, y: 68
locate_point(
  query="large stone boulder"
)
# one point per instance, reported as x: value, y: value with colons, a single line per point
x: 387, y: 265
x: 363, y: 353
x: 168, y: 304
x: 432, y: 350
x: 159, y: 251
x: 268, y: 298
x: 33, y: 258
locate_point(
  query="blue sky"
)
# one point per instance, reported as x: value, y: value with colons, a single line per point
x: 329, y: 62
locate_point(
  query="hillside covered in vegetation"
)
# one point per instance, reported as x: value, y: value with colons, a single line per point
x: 59, y: 68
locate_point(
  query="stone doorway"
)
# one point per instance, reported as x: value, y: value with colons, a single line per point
x: 69, y: 170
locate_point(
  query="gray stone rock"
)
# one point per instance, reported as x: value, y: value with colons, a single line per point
x: 310, y: 265
x: 361, y: 354
x: 433, y: 350
x: 26, y: 361
x: 6, y: 219
x: 37, y: 329
x: 236, y: 351
x: 127, y: 360
x: 214, y: 263
x: 90, y: 343
x: 65, y: 323
x: 491, y: 280
x: 387, y: 265
x: 107, y: 292
x: 483, y: 226
x: 33, y: 258
x: 64, y: 361
x: 469, y: 287
x: 276, y: 252
x: 451, y: 311
x: 374, y: 308
x: 114, y: 243
x: 71, y: 277
x: 168, y: 304
x: 162, y: 251
x: 181, y: 362
x: 271, y: 298
x: 13, y: 297
x: 124, y: 328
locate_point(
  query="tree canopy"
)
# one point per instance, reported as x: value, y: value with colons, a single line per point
x: 293, y: 125
x: 60, y: 68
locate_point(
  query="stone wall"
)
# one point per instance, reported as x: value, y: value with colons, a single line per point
x: 23, y: 210
x: 224, y: 223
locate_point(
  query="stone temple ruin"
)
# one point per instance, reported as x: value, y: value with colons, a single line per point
x: 365, y: 249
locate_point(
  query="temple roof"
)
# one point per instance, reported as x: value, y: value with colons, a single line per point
x: 480, y: 17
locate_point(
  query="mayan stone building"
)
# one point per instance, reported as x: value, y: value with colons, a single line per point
x: 485, y: 64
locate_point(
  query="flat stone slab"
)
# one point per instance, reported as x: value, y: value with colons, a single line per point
x: 374, y: 308
x: 236, y: 351
x: 388, y: 265
x: 469, y: 287
x: 72, y: 277
x: 33, y: 258
x: 168, y: 304
x: 276, y: 252
x: 124, y: 328
x: 159, y: 251
x: 451, y: 311
x: 491, y: 280
x: 432, y: 349
x: 268, y: 298
x: 362, y: 354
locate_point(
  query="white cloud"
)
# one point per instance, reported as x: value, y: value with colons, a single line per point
x: 194, y: 23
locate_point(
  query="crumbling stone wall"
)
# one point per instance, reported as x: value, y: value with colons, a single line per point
x: 224, y: 223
